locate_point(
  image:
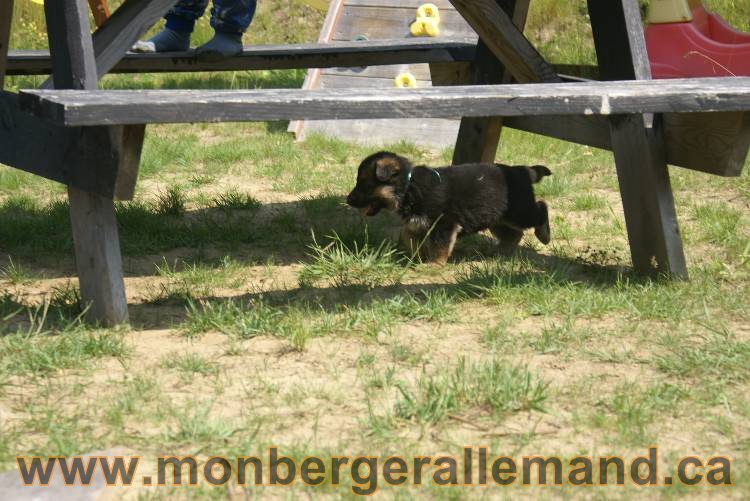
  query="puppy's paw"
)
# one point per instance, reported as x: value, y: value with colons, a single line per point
x: 507, y: 249
x: 440, y: 256
x: 440, y: 261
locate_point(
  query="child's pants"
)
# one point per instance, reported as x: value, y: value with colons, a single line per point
x: 229, y: 16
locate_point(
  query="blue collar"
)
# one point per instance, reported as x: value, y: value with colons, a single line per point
x: 411, y: 171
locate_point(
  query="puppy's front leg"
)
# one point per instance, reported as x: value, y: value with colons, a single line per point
x: 508, y: 239
x: 411, y: 242
x: 442, y: 241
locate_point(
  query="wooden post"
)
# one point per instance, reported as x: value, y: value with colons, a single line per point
x: 6, y: 17
x: 92, y: 217
x: 115, y: 37
x: 100, y: 11
x: 638, y: 144
x: 478, y: 138
x: 496, y: 27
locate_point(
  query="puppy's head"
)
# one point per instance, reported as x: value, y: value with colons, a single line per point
x: 381, y: 182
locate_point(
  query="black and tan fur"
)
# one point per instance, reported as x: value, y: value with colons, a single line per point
x: 453, y: 201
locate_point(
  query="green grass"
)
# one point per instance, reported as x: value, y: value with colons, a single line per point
x: 193, y: 425
x: 344, y: 265
x: 190, y: 365
x: 717, y: 355
x: 190, y: 281
x: 40, y: 352
x: 633, y: 412
x: 495, y: 386
x: 14, y: 273
x: 233, y: 200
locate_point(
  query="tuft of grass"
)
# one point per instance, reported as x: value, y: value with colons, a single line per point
x: 345, y: 265
x: 195, y: 425
x: 632, y: 411
x: 438, y: 306
x: 234, y: 200
x: 244, y: 321
x: 256, y: 318
x: 495, y: 386
x: 170, y: 202
x: 717, y: 356
x: 135, y: 395
x: 188, y: 282
x: 41, y: 352
x: 558, y: 338
x: 190, y: 364
x: 14, y: 273
x: 588, y: 201
x: 719, y: 224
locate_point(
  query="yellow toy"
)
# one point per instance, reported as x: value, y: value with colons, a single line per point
x: 406, y: 81
x: 425, y: 27
x: 428, y: 21
x: 429, y: 11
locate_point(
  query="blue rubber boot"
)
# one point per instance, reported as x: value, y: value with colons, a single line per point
x: 221, y: 46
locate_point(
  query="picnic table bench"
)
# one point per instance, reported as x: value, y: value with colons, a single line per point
x: 91, y: 139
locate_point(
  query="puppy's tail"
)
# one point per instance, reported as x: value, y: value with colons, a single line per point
x: 538, y: 172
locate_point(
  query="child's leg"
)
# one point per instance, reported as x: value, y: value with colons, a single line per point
x: 230, y: 19
x: 232, y: 16
x: 176, y: 33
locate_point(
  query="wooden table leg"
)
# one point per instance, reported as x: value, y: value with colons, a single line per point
x: 478, y: 138
x: 6, y: 17
x: 95, y: 236
x: 638, y: 144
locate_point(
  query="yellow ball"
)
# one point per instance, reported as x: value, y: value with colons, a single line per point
x: 429, y: 11
x: 406, y: 81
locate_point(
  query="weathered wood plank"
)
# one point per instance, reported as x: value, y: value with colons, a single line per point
x: 92, y: 217
x: 103, y: 165
x: 640, y: 153
x: 112, y: 107
x: 6, y: 17
x: 121, y: 30
x: 275, y: 57
x: 496, y: 29
x: 716, y: 143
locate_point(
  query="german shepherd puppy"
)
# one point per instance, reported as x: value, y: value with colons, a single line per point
x: 449, y: 202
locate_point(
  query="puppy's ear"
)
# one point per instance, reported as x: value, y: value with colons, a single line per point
x: 387, y: 168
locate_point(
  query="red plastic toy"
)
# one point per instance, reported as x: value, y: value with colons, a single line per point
x: 707, y: 46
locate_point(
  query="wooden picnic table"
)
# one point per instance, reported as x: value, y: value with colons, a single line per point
x: 91, y: 140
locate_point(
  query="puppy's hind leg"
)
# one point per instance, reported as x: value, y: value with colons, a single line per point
x: 542, y: 230
x: 508, y: 238
x: 443, y: 240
